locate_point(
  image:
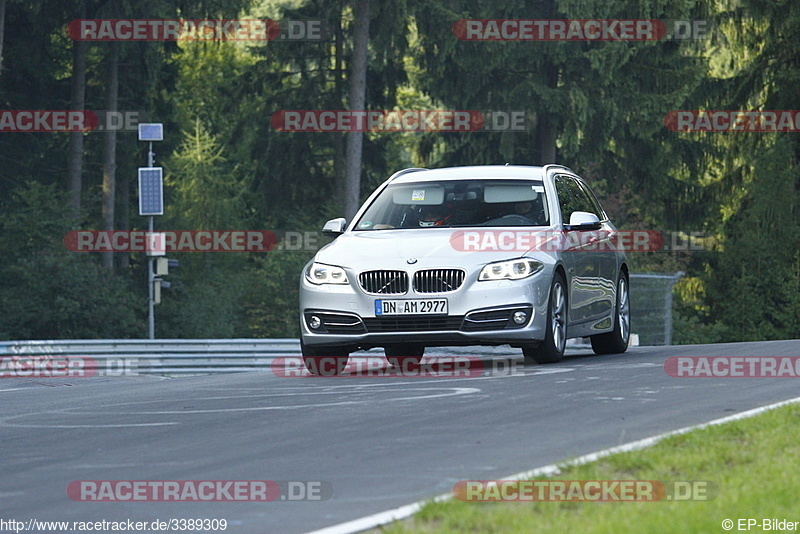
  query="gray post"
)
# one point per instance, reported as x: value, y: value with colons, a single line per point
x: 151, y: 314
x: 668, y: 315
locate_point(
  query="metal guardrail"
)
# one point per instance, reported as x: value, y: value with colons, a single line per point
x: 651, y: 302
x: 166, y: 356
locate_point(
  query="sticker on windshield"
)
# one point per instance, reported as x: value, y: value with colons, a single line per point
x: 417, y: 195
x: 538, y: 188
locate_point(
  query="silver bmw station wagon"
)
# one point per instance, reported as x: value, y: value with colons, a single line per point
x: 480, y: 255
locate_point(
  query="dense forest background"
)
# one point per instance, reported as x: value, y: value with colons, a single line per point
x: 597, y: 107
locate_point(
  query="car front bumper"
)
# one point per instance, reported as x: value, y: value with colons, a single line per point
x: 479, y: 313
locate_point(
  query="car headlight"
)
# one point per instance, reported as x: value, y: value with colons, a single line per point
x: 319, y: 273
x: 510, y: 270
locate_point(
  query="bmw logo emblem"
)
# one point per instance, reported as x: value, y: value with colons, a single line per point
x: 411, y: 261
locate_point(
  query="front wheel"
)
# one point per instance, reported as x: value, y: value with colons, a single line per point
x: 551, y: 350
x: 324, y: 360
x: 616, y: 341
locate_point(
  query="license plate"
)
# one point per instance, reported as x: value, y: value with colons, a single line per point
x: 411, y: 307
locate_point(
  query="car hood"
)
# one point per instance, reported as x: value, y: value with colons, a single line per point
x: 386, y: 249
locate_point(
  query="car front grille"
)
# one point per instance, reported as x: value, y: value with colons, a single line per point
x: 438, y: 280
x: 384, y: 282
x: 417, y: 323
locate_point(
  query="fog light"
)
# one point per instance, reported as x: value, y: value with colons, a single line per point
x: 314, y: 322
x: 520, y: 317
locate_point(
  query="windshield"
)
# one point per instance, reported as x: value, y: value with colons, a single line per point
x: 457, y: 203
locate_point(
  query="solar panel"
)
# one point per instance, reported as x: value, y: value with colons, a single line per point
x: 151, y: 191
x: 152, y: 131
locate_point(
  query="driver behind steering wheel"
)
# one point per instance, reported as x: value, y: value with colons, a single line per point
x: 437, y: 215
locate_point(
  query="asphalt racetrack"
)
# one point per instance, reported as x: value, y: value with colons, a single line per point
x: 348, y: 446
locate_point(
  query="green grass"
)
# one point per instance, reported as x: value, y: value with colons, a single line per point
x: 754, y: 464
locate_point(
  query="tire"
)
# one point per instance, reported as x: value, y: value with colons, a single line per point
x: 324, y: 360
x: 551, y: 350
x: 616, y: 341
x: 404, y: 356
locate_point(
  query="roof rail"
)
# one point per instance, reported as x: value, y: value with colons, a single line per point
x: 556, y: 166
x: 406, y: 171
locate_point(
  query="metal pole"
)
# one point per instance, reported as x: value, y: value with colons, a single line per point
x: 668, y: 314
x: 151, y: 315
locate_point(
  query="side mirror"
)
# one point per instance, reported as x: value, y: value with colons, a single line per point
x: 583, y: 220
x: 334, y: 227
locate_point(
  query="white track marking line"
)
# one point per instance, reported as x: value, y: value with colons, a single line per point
x: 403, y: 512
